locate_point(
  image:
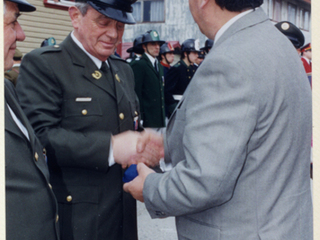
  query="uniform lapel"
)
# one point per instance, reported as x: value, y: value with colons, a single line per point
x: 14, y: 105
x: 89, y: 70
x: 118, y: 78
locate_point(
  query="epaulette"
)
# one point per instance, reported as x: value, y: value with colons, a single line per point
x: 114, y: 57
x: 177, y: 64
x: 54, y: 48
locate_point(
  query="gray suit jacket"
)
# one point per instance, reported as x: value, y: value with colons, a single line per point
x: 240, y: 142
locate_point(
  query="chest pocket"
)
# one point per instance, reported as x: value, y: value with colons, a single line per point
x: 85, y: 107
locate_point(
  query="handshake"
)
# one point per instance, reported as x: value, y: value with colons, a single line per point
x: 134, y: 147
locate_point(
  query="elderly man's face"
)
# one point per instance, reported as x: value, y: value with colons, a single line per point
x: 98, y: 34
x: 12, y: 32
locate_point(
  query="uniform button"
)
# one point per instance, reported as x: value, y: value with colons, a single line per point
x: 36, y: 156
x: 69, y: 198
x: 57, y: 218
x: 188, y: 70
x: 49, y: 185
x: 189, y: 77
x: 44, y: 151
x: 121, y: 116
x: 136, y: 113
x: 84, y: 112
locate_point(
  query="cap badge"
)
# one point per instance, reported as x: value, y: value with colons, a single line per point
x: 155, y: 34
x: 96, y: 74
x: 285, y: 26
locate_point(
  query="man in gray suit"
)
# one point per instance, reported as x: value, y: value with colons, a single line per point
x: 239, y: 140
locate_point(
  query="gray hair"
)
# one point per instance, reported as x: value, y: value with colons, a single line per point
x: 83, y: 7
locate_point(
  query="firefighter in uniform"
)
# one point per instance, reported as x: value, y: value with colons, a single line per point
x: 136, y: 50
x: 78, y: 96
x: 180, y: 75
x: 166, y: 57
x: 149, y: 82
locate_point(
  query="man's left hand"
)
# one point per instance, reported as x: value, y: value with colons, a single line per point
x: 135, y: 187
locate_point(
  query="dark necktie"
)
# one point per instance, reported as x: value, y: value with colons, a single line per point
x: 106, y: 70
x: 156, y: 65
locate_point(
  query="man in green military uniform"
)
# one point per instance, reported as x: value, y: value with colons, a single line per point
x: 148, y: 75
x: 79, y: 97
x: 180, y: 75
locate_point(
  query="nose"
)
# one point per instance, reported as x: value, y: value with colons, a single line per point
x: 112, y: 31
x: 20, y: 33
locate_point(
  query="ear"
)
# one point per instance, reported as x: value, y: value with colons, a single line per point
x: 204, y: 3
x: 75, y: 16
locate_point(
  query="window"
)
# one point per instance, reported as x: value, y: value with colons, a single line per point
x: 306, y: 19
x: 292, y: 10
x: 277, y: 10
x: 148, y: 11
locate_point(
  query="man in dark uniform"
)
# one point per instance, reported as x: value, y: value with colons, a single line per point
x: 31, y: 207
x: 148, y: 75
x: 166, y: 57
x: 179, y: 76
x: 79, y: 97
x: 136, y: 50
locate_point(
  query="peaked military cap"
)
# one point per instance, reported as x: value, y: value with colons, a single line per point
x: 292, y: 32
x: 306, y: 47
x: 119, y: 10
x: 23, y: 5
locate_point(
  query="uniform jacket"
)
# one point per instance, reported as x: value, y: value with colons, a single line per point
x: 31, y: 207
x: 239, y: 142
x: 176, y: 82
x: 150, y: 90
x: 74, y: 109
x: 306, y: 65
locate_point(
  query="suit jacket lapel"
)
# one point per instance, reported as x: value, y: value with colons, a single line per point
x: 87, y: 66
x: 11, y: 99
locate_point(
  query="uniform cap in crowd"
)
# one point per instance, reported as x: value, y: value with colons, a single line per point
x: 151, y: 36
x: 306, y: 47
x: 17, y: 55
x: 166, y: 48
x: 119, y: 10
x: 292, y: 32
x: 23, y: 5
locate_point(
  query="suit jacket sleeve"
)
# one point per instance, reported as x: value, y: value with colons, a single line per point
x: 41, y: 98
x: 214, y: 133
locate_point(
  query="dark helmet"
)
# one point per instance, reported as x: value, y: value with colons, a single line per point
x: 207, y: 45
x: 201, y: 54
x: 151, y: 36
x: 136, y: 45
x: 292, y: 32
x: 23, y: 5
x: 190, y: 45
x: 166, y: 48
x: 48, y: 42
x: 119, y: 10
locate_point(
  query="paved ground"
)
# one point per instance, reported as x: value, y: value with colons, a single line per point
x: 154, y: 229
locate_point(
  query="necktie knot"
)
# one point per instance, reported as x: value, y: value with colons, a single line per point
x: 104, y: 67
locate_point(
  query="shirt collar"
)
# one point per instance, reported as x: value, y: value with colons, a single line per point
x: 152, y: 59
x: 229, y: 23
x: 96, y: 61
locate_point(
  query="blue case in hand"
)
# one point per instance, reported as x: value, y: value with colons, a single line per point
x: 130, y: 173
